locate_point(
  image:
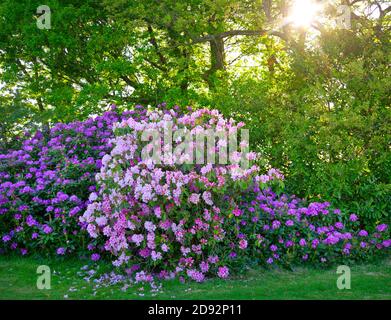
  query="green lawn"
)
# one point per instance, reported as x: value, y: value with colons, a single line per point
x: 18, y: 281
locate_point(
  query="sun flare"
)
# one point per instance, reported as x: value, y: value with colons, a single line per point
x: 304, y: 12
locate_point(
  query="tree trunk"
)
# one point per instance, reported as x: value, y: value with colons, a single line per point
x: 217, y: 59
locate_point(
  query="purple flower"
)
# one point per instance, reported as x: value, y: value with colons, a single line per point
x: 273, y: 248
x: 381, y: 227
x: 339, y: 225
x: 47, y: 229
x: 331, y: 240
x: 156, y: 255
x: 276, y: 224
x: 6, y: 238
x: 269, y: 261
x: 196, y: 275
x: 363, y: 233
x: 386, y: 243
x: 137, y: 239
x: 74, y: 211
x: 232, y: 255
x: 60, y: 251
x: 145, y: 252
x: 289, y: 244
x: 223, y: 272
x: 30, y: 221
x: 302, y: 242
x: 204, y: 266
x: 353, y: 217
x: 289, y: 223
x: 314, y: 243
x: 95, y: 256
x: 213, y: 259
x: 149, y: 226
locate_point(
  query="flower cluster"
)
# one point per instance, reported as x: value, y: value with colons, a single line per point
x: 44, y: 186
x: 172, y: 219
x: 285, y: 230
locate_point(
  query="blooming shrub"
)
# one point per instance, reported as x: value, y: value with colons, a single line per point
x: 174, y: 219
x: 44, y: 186
x: 199, y: 220
x: 285, y: 230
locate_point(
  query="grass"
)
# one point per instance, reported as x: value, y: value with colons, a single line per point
x: 18, y: 277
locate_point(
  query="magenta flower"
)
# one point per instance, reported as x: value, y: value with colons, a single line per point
x: 382, y: 227
x: 223, y: 272
x: 237, y: 212
x: 47, y: 229
x: 276, y: 224
x: 363, y: 233
x: 243, y: 244
x: 339, y: 225
x: 289, y: 223
x: 353, y: 217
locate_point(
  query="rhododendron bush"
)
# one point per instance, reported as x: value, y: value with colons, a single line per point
x: 169, y: 217
x: 44, y: 186
x: 174, y: 218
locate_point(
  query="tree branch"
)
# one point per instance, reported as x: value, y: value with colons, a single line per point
x: 232, y: 33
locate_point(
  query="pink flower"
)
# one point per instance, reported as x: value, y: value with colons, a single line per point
x: 204, y: 266
x: 237, y: 212
x: 149, y: 226
x: 194, y: 198
x: 353, y: 217
x: 223, y: 272
x: 158, y: 212
x: 207, y: 196
x: 195, y: 275
x: 156, y: 255
x: 93, y: 196
x: 243, y: 244
x: 137, y: 239
x: 101, y: 221
x: 382, y: 227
